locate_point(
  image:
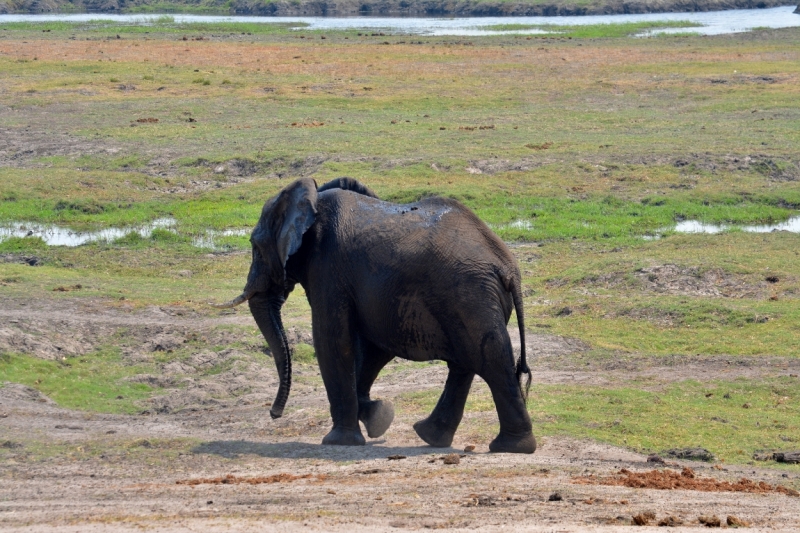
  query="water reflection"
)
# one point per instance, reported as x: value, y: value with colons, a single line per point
x: 54, y: 235
x: 694, y: 226
x: 520, y: 223
x: 713, y: 22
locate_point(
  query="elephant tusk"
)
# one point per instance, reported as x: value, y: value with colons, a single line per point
x: 233, y: 303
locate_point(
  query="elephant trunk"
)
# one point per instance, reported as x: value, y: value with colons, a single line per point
x: 267, y: 314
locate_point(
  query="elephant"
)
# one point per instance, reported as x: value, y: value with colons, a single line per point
x: 422, y: 281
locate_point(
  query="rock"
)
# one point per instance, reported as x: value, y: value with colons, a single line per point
x: 39, y: 341
x: 396, y: 457
x: 30, y: 260
x: 16, y: 391
x: 787, y: 457
x: 164, y: 343
x: 692, y: 454
x: 177, y: 367
x: 295, y: 336
x: 150, y: 379
x: 205, y: 359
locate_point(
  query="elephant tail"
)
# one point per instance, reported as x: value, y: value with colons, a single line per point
x: 522, y: 364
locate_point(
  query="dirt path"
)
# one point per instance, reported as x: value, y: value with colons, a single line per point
x: 72, y: 471
x: 131, y: 485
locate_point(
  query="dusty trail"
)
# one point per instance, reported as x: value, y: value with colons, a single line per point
x: 74, y: 471
x: 131, y: 485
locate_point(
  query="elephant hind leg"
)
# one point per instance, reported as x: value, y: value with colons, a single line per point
x: 516, y: 434
x: 376, y: 415
x: 440, y: 427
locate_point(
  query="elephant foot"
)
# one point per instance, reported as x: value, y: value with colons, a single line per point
x: 434, y: 434
x: 513, y: 444
x: 344, y: 437
x: 377, y: 416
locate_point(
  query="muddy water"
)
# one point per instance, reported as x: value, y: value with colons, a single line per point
x: 713, y: 23
x: 54, y: 235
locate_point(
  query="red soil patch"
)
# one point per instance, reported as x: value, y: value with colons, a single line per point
x: 230, y: 479
x: 685, y: 480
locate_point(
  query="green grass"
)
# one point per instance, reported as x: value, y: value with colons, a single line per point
x: 92, y: 382
x: 588, y: 147
x: 594, y: 31
x: 149, y: 25
x: 22, y: 245
x: 549, y: 218
x: 685, y: 414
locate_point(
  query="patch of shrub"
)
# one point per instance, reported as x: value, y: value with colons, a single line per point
x: 22, y: 244
x: 131, y: 239
x: 168, y: 237
x: 304, y: 353
x: 87, y: 207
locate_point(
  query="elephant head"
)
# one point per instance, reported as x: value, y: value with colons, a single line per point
x: 278, y: 234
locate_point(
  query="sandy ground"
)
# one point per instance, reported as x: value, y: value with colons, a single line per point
x: 395, y: 483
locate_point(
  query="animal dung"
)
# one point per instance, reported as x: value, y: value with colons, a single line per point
x: 733, y: 521
x: 710, y: 521
x: 670, y: 521
x: 643, y: 519
x: 451, y: 459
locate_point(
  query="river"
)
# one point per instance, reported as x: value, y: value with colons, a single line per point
x: 713, y: 23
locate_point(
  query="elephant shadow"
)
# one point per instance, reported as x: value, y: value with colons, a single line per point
x: 231, y: 449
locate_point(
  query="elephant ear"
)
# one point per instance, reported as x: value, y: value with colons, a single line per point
x: 287, y: 218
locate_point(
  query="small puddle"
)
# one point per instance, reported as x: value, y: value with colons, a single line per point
x: 54, y: 235
x: 208, y: 239
x: 520, y: 223
x: 791, y: 225
x: 693, y: 226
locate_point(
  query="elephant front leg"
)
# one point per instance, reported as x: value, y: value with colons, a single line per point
x: 337, y: 365
x: 440, y: 427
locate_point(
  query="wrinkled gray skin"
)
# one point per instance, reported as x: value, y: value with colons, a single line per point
x: 420, y: 281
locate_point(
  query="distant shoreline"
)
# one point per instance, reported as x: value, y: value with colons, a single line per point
x: 385, y: 8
